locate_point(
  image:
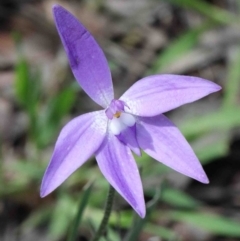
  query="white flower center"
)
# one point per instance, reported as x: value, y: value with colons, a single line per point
x: 120, y: 122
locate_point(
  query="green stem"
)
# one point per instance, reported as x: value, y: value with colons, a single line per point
x: 107, y: 212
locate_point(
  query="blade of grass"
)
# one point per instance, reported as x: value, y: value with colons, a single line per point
x: 164, y: 233
x: 223, y: 119
x: 107, y: 212
x: 64, y: 209
x: 215, y: 224
x: 212, y: 12
x: 211, y: 146
x: 178, y: 198
x: 179, y: 47
x: 138, y: 223
x: 37, y: 218
x: 27, y: 91
x: 22, y: 79
x: 82, y: 205
x: 232, y: 88
x: 58, y: 107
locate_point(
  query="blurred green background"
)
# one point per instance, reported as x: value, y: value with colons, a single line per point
x: 38, y: 95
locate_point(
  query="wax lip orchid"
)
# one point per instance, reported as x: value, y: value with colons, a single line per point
x: 132, y: 123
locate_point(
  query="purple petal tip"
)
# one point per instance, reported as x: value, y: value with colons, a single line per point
x: 201, y: 177
x: 204, y: 179
x: 142, y: 213
x: 216, y: 87
x: 43, y: 193
x: 44, y: 190
x: 55, y: 7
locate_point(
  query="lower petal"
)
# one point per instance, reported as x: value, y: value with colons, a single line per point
x: 162, y: 140
x: 128, y: 137
x: 78, y: 140
x: 117, y: 164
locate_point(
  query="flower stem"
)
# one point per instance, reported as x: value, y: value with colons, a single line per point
x: 107, y: 212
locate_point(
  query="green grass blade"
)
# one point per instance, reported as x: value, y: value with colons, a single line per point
x: 212, y: 12
x: 37, y: 218
x: 138, y: 222
x: 178, y: 198
x: 27, y: 90
x: 211, y: 146
x: 64, y: 209
x: 58, y: 107
x: 178, y: 47
x: 22, y: 79
x: 215, y: 224
x: 61, y: 104
x: 223, y: 119
x: 82, y: 205
x: 232, y: 88
x: 164, y: 233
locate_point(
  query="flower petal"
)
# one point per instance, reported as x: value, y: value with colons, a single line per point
x: 162, y: 140
x: 157, y: 94
x: 86, y: 58
x: 117, y: 164
x: 128, y: 137
x: 78, y: 140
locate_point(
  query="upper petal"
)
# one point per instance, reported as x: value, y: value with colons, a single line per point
x: 162, y: 140
x: 86, y: 58
x: 78, y: 140
x: 117, y: 164
x: 157, y: 94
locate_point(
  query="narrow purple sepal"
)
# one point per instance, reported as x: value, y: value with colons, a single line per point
x: 162, y: 140
x: 86, y: 58
x: 157, y: 94
x: 78, y: 140
x: 117, y: 164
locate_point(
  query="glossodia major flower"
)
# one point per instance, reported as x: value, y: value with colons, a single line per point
x: 133, y: 123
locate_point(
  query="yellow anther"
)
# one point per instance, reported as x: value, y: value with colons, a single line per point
x: 117, y: 115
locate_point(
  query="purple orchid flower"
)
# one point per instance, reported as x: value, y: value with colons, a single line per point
x: 132, y: 123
